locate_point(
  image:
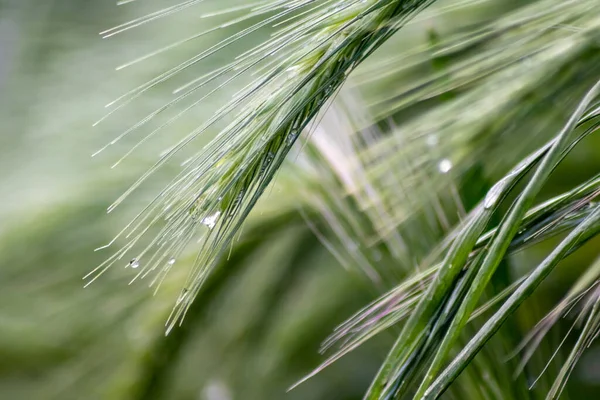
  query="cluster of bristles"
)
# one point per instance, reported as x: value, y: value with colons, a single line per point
x: 293, y: 75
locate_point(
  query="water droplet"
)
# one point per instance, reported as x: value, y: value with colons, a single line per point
x: 211, y: 220
x: 134, y: 263
x: 494, y: 194
x: 171, y: 261
x: 445, y: 166
x: 291, y: 137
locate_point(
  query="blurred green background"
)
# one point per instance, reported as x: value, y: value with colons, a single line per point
x: 258, y: 325
x: 252, y: 335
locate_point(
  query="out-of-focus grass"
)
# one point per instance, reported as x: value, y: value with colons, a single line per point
x: 60, y: 341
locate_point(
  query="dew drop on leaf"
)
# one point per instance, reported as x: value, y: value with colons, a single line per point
x: 494, y: 194
x: 445, y: 166
x: 211, y: 220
